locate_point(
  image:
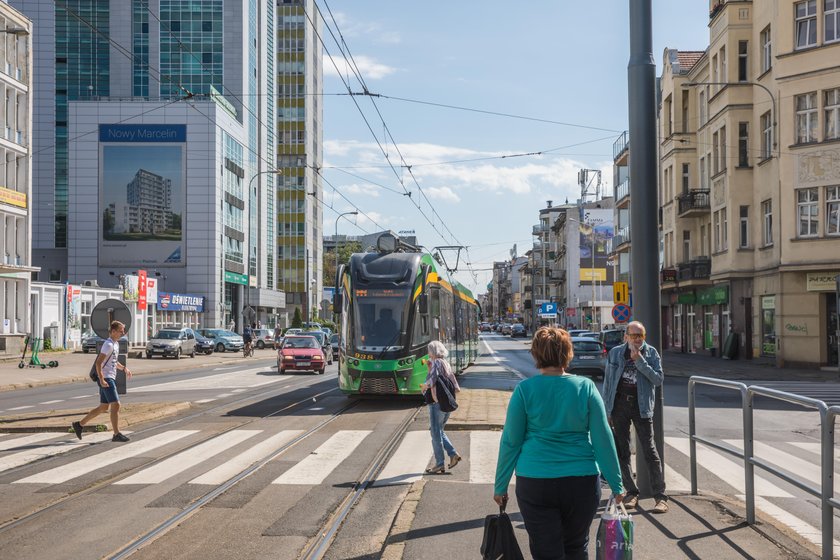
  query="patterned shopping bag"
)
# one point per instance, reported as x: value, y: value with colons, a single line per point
x: 614, y: 540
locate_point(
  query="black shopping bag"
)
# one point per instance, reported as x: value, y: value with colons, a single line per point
x: 499, y: 542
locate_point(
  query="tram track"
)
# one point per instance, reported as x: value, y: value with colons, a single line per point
x: 9, y: 525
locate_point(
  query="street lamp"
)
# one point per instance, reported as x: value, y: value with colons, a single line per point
x: 353, y: 213
x: 762, y: 86
x: 250, y: 227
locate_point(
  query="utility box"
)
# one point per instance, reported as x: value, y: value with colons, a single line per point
x: 51, y: 333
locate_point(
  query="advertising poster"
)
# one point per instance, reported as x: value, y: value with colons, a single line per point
x: 151, y: 290
x: 596, y: 230
x: 142, y: 178
x: 74, y: 314
x: 131, y: 287
x: 141, y: 289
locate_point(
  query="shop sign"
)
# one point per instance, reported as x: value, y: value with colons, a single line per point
x: 821, y: 281
x: 768, y: 302
x: 714, y: 295
x: 180, y: 302
x: 235, y: 278
x: 669, y: 274
x: 687, y: 298
x: 13, y: 198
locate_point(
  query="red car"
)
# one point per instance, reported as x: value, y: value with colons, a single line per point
x: 300, y: 353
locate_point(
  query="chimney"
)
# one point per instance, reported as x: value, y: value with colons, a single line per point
x: 549, y: 203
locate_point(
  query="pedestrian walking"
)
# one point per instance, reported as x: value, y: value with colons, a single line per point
x: 634, y: 370
x: 438, y: 366
x: 232, y: 326
x: 557, y: 439
x: 107, y: 365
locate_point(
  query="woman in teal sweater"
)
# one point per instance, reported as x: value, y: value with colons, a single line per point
x: 557, y: 438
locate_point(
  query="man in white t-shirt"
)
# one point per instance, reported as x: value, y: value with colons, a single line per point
x: 107, y: 365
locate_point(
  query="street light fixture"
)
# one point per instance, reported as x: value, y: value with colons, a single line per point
x: 353, y: 213
x: 762, y: 86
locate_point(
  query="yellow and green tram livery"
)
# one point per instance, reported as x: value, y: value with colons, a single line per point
x: 391, y: 304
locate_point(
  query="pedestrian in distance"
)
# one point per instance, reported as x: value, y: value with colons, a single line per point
x: 557, y: 439
x: 634, y: 370
x: 438, y: 366
x: 107, y: 365
x: 278, y: 334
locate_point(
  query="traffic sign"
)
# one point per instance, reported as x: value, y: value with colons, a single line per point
x: 549, y: 308
x: 620, y: 293
x: 621, y: 313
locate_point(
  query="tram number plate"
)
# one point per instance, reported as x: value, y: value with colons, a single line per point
x: 304, y: 363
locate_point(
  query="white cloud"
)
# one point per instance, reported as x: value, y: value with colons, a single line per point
x: 367, y: 67
x: 371, y: 30
x: 357, y: 189
x: 442, y: 193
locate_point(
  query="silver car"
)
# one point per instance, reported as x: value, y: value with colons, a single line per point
x: 224, y: 340
x: 171, y: 342
x: 590, y: 357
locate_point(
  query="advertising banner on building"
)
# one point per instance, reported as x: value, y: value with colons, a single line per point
x: 596, y: 230
x: 180, y: 302
x: 131, y: 287
x: 151, y: 290
x: 141, y: 289
x: 74, y: 314
x: 142, y: 179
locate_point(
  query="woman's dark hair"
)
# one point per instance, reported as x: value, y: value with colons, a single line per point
x: 551, y: 347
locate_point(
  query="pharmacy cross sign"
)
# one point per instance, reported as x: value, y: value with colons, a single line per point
x: 621, y: 313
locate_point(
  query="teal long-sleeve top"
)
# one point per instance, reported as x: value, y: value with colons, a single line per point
x: 556, y: 426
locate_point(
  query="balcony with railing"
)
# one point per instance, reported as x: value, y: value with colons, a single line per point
x: 539, y: 229
x: 695, y: 202
x: 695, y: 269
x: 621, y: 237
x: 557, y: 274
x: 622, y: 191
x: 621, y: 145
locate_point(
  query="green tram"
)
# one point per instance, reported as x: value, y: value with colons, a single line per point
x: 391, y: 304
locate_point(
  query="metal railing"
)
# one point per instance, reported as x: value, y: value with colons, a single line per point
x: 621, y: 144
x: 827, y: 419
x: 622, y: 191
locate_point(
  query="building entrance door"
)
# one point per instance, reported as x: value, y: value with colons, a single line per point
x: 832, y: 329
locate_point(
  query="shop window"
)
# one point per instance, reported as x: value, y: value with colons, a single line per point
x: 768, y: 326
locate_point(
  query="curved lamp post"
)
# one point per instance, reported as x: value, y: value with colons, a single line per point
x: 353, y: 213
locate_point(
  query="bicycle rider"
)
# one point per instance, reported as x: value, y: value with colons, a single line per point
x: 248, y: 337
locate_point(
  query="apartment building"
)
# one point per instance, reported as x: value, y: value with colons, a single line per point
x: 15, y: 177
x: 750, y: 184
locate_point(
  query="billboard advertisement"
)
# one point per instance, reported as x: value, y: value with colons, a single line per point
x: 596, y: 230
x: 142, y: 179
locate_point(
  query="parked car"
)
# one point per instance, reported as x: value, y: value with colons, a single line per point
x: 590, y: 357
x: 484, y: 327
x: 224, y: 340
x: 292, y: 331
x: 89, y: 341
x: 203, y: 344
x: 334, y: 343
x: 328, y: 331
x: 518, y: 330
x: 321, y: 336
x: 612, y: 338
x: 506, y: 328
x: 263, y: 338
x: 591, y: 334
x: 301, y: 353
x: 171, y: 342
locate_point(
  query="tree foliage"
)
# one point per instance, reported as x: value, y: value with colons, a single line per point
x: 344, y: 252
x: 297, y: 320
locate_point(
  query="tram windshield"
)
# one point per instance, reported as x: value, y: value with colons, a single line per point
x: 379, y: 316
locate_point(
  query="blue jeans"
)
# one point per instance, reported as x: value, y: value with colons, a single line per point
x: 437, y: 421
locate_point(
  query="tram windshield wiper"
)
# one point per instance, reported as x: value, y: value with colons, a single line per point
x: 388, y: 346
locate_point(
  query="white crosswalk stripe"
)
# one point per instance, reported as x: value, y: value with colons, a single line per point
x: 318, y: 465
x: 244, y: 460
x: 799, y: 468
x: 114, y: 455
x: 28, y: 440
x: 484, y: 451
x: 726, y: 469
x: 233, y: 380
x: 49, y: 450
x: 408, y: 462
x: 189, y: 458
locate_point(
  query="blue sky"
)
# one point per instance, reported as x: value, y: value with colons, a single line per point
x: 557, y: 61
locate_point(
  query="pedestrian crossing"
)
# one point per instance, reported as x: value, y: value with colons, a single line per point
x: 244, y: 447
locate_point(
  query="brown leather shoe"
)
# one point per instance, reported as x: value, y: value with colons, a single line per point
x: 454, y: 460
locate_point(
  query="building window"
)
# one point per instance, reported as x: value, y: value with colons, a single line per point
x: 686, y: 246
x: 806, y: 24
x: 806, y: 118
x: 832, y: 111
x: 702, y: 105
x: 703, y: 184
x: 743, y: 144
x: 832, y: 20
x: 744, y: 227
x: 767, y: 211
x: 685, y: 177
x: 766, y: 50
x: 766, y: 136
x: 832, y: 211
x: 723, y: 151
x: 724, y: 75
x: 807, y: 211
x: 715, y: 152
x: 719, y: 226
x: 743, y: 50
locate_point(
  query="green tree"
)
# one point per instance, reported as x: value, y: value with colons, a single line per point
x: 297, y: 320
x: 344, y: 252
x: 107, y: 223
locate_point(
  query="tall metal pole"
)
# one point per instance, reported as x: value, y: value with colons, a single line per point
x: 641, y: 81
x: 353, y: 213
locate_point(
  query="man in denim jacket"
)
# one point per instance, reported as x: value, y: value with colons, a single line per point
x: 634, y: 370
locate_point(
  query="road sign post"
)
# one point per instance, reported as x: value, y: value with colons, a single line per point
x: 621, y: 313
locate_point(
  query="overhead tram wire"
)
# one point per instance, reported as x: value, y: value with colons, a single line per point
x: 388, y: 131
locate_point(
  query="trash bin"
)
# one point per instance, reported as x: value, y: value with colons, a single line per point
x: 122, y: 355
